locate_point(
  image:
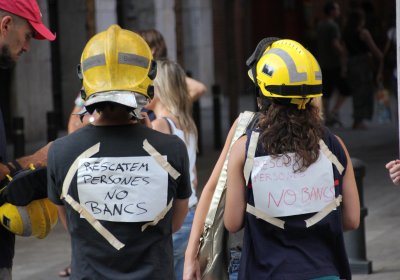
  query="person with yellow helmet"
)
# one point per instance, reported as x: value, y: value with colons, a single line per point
x: 121, y: 188
x: 287, y: 177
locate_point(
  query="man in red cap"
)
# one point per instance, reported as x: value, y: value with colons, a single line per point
x: 20, y: 21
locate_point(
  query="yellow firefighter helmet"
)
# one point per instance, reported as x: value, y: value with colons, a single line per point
x: 35, y: 219
x: 117, y: 66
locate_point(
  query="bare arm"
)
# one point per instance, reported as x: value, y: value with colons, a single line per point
x: 75, y: 123
x: 196, y: 89
x: 341, y: 51
x: 192, y: 268
x: 235, y: 203
x: 62, y: 216
x: 351, y: 201
x: 367, y: 38
x: 180, y: 209
x: 39, y: 158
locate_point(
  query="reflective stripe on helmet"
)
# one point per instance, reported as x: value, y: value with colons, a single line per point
x: 133, y: 59
x: 294, y: 76
x: 93, y: 61
x: 26, y: 221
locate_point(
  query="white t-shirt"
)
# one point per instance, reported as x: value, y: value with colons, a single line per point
x: 191, y: 148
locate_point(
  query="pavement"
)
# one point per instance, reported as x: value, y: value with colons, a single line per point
x: 42, y: 259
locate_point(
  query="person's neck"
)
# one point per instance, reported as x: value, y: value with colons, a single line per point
x: 114, y: 117
x: 160, y: 111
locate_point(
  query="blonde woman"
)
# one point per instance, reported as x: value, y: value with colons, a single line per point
x: 173, y: 107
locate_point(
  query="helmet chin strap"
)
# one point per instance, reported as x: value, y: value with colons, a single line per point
x: 301, y: 103
x: 136, y: 113
x: 251, y: 62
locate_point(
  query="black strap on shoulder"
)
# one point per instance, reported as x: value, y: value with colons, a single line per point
x: 251, y: 62
x: 262, y: 45
x: 169, y: 125
x: 254, y: 121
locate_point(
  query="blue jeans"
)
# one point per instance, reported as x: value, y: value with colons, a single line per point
x: 180, y: 240
x: 234, y: 263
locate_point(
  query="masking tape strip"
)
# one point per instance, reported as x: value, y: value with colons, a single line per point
x: 95, y: 223
x: 264, y: 216
x: 243, y: 122
x: 74, y: 167
x: 77, y: 207
x: 324, y: 212
x: 160, y: 160
x: 324, y: 148
x: 159, y: 217
x: 248, y: 165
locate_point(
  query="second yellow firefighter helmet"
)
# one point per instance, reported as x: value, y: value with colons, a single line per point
x: 117, y: 65
x: 284, y: 69
x: 35, y: 219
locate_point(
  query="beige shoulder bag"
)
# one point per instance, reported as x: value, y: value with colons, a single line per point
x: 213, y: 249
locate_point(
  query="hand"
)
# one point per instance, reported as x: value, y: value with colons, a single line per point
x: 394, y: 171
x: 3, y: 171
x: 191, y: 269
x: 146, y: 121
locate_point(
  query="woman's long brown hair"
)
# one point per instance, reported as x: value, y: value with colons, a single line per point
x: 285, y: 129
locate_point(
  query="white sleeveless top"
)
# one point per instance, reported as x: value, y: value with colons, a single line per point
x: 191, y: 148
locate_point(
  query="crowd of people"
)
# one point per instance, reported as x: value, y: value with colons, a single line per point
x: 124, y: 179
x: 352, y: 60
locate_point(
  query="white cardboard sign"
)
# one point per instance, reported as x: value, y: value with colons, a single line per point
x: 280, y: 192
x: 122, y: 189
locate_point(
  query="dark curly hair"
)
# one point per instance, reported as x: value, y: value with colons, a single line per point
x: 285, y: 129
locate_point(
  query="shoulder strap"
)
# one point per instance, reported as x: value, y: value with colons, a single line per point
x: 170, y: 123
x: 244, y: 120
x: 251, y: 151
x: 324, y: 148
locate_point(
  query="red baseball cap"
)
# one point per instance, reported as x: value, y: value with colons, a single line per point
x: 29, y: 10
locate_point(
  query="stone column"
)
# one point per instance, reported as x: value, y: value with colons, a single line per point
x: 198, y: 51
x: 106, y: 14
x: 32, y: 96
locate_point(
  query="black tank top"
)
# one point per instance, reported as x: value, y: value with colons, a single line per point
x: 354, y: 44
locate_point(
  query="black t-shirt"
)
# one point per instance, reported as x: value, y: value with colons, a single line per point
x: 147, y: 254
x: 7, y: 239
x: 328, y: 31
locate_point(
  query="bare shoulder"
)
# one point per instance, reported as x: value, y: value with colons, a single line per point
x: 161, y: 125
